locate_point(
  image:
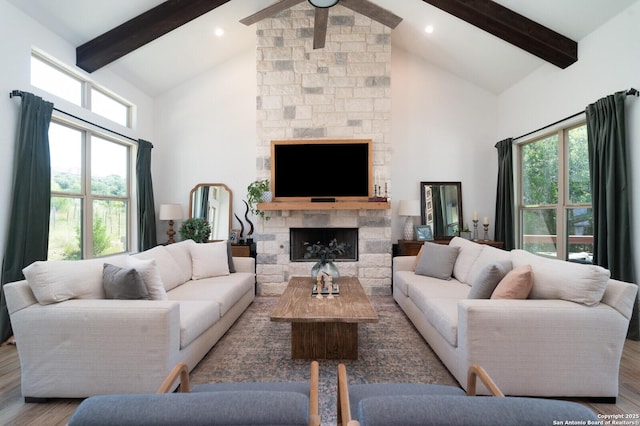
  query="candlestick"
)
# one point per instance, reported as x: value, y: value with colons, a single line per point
x: 475, y: 229
x: 486, y: 231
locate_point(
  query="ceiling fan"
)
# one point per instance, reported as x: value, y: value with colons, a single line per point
x: 321, y: 17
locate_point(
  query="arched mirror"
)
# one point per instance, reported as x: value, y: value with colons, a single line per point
x: 212, y: 201
x: 441, y: 204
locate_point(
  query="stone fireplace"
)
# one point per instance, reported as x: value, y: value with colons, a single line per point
x: 341, y: 91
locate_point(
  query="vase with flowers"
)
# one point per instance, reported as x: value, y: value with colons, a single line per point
x: 326, y: 253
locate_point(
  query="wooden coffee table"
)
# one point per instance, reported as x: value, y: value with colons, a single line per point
x: 324, y: 328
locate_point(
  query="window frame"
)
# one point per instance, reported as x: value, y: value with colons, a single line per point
x: 86, y: 86
x: 86, y: 195
x: 563, y: 205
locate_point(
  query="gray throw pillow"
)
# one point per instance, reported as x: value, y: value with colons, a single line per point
x: 122, y: 283
x: 232, y: 267
x: 488, y: 279
x: 437, y: 260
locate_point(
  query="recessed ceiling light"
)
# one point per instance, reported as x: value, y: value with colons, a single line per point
x: 219, y: 32
x: 428, y: 29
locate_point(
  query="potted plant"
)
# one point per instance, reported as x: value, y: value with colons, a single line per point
x: 196, y: 229
x: 258, y: 191
x: 327, y: 254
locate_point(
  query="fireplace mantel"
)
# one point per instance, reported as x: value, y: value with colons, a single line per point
x: 338, y: 205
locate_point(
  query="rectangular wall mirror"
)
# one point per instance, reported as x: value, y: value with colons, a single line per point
x: 441, y: 208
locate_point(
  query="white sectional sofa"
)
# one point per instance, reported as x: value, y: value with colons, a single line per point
x: 564, y: 340
x: 73, y: 342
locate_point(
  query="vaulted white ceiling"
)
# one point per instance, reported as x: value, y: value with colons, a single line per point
x: 455, y: 45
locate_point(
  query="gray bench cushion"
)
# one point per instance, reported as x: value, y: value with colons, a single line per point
x: 360, y: 392
x: 447, y: 410
x: 200, y: 408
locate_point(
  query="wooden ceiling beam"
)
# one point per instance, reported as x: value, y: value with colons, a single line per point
x: 140, y: 30
x: 513, y: 28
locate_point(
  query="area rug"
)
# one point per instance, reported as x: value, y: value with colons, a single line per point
x: 256, y: 349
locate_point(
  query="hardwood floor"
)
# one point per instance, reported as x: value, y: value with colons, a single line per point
x: 14, y: 411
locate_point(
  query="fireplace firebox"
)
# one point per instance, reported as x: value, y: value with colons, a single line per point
x: 299, y: 236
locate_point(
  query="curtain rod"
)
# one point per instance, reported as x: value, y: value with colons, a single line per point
x: 630, y: 92
x: 19, y: 93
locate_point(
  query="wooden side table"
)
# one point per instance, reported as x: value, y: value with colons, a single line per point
x: 412, y: 247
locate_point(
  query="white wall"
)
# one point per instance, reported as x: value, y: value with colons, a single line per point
x: 443, y: 129
x: 206, y: 133
x: 608, y: 61
x: 18, y: 34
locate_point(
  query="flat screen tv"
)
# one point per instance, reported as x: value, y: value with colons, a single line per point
x: 321, y: 170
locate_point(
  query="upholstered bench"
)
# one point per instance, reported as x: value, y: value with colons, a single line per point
x: 241, y: 403
x: 405, y: 404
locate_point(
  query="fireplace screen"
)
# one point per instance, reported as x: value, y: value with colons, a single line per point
x: 299, y: 236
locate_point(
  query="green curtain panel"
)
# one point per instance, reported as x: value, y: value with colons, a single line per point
x: 505, y: 229
x: 28, y: 234
x: 612, y: 246
x: 147, y: 237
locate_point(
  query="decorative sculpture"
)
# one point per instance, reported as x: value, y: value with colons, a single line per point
x: 246, y: 216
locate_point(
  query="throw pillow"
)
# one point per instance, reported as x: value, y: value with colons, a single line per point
x: 209, y: 260
x: 559, y: 279
x: 150, y: 274
x: 54, y: 281
x: 232, y: 267
x: 488, y: 278
x: 515, y: 285
x: 123, y: 283
x: 418, y: 256
x: 437, y: 261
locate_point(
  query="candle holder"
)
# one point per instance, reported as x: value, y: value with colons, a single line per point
x: 475, y: 229
x: 486, y: 231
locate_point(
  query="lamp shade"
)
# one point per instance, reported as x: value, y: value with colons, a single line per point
x: 409, y: 208
x: 170, y: 211
x: 323, y: 3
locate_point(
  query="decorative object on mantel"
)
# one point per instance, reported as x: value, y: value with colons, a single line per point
x: 241, y: 234
x: 246, y: 217
x: 196, y: 229
x: 475, y: 226
x: 410, y: 209
x: 258, y: 191
x: 486, y: 228
x: 327, y: 254
x: 465, y: 233
x: 170, y: 212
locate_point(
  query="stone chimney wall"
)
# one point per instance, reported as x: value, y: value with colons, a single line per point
x: 342, y: 91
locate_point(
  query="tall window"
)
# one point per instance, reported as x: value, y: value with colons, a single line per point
x: 90, y: 195
x: 556, y: 218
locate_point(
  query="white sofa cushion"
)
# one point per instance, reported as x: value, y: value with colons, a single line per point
x: 467, y: 255
x: 225, y: 290
x: 196, y: 317
x: 558, y: 279
x: 182, y: 255
x: 150, y: 273
x: 55, y: 281
x: 209, y: 260
x: 171, y: 272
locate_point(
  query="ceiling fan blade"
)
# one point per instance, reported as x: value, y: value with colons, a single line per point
x: 320, y: 27
x: 373, y: 11
x: 269, y: 11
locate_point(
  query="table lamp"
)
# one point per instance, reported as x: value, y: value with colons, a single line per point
x: 408, y: 208
x: 170, y: 212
